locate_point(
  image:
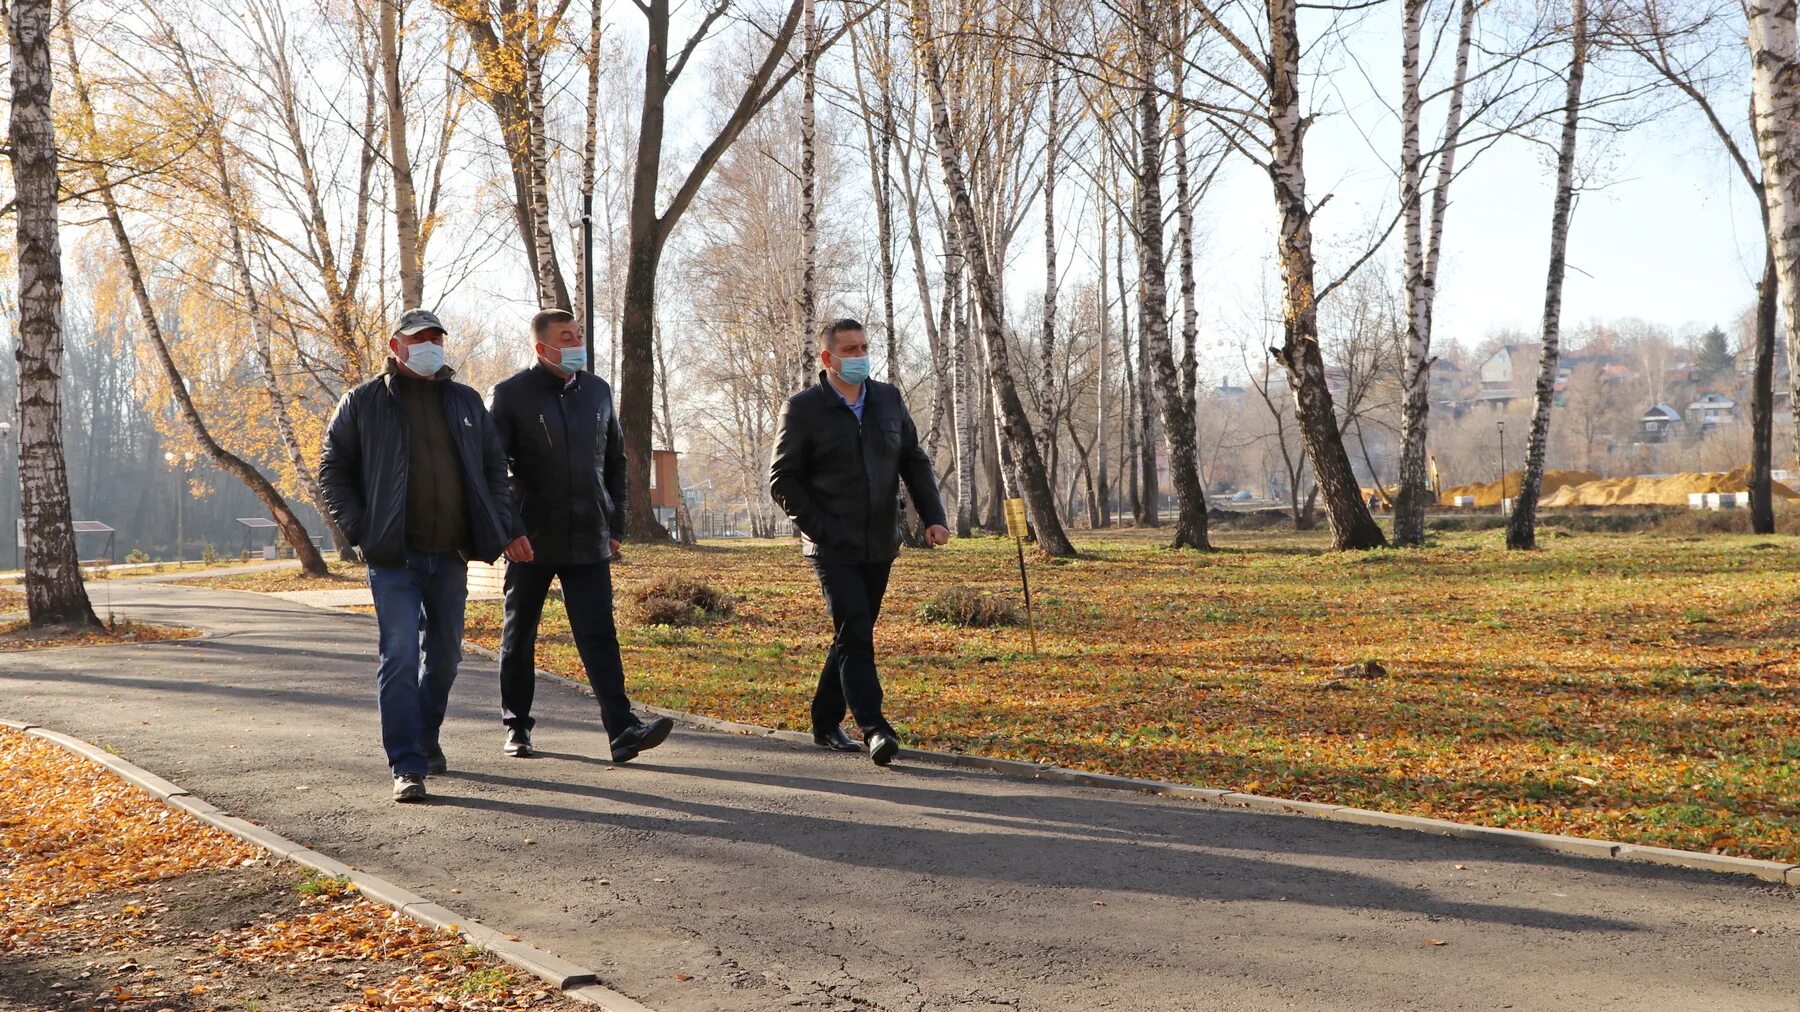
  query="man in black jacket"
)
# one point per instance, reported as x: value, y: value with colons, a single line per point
x: 841, y: 450
x: 413, y: 473
x: 561, y: 436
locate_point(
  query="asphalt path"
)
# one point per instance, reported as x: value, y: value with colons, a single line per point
x: 721, y: 872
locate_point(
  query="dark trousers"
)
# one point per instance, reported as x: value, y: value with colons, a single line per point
x: 418, y: 608
x: 853, y: 593
x: 588, y: 598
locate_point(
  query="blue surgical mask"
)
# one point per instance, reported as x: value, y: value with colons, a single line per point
x: 573, y: 360
x: 853, y: 370
x: 425, y: 358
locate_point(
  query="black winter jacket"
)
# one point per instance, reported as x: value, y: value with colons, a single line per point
x: 363, y: 469
x: 840, y: 481
x: 568, y: 463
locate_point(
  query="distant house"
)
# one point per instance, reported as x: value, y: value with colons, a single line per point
x: 1712, y: 409
x: 1659, y: 423
x: 1508, y: 374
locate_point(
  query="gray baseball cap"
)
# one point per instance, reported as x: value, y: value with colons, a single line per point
x: 414, y: 320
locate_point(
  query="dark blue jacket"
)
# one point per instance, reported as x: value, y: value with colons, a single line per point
x: 363, y: 469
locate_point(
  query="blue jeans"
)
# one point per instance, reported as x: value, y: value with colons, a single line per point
x: 418, y: 605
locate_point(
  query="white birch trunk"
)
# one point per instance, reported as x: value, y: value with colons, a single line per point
x: 1521, y: 531
x: 1421, y: 262
x: 406, y: 201
x: 1775, y: 103
x: 54, y: 593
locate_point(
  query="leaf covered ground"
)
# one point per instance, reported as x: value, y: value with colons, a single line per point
x: 1634, y: 687
x: 275, y: 580
x: 111, y: 900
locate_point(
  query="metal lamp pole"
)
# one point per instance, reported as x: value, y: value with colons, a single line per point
x: 1502, y: 427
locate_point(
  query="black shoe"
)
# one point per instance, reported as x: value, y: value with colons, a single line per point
x: 834, y: 739
x: 882, y: 747
x: 640, y: 738
x: 410, y: 787
x: 518, y: 743
x: 435, y: 763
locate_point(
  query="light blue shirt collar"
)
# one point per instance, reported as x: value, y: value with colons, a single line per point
x: 862, y: 395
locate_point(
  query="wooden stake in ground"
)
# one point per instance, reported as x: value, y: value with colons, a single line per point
x: 1018, y: 529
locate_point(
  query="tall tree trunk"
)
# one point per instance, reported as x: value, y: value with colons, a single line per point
x: 650, y: 230
x: 279, y: 511
x: 809, y: 183
x: 1521, y: 531
x: 1015, y: 426
x: 1299, y: 355
x: 1101, y: 510
x: 962, y: 376
x: 1149, y: 438
x: 1775, y: 115
x: 1047, y: 403
x: 1762, y: 403
x: 552, y: 292
x: 54, y: 594
x: 584, y: 267
x: 1177, y: 409
x: 406, y: 201
x: 1421, y: 259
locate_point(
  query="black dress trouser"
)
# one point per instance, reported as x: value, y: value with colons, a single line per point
x: 588, y: 598
x: 853, y: 592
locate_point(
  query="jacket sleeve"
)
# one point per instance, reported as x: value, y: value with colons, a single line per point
x: 617, y: 484
x: 915, y: 470
x: 340, y: 469
x: 493, y: 471
x: 787, y: 477
x: 501, y: 414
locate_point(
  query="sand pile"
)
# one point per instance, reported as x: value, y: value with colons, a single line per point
x: 1671, y: 490
x: 1488, y: 494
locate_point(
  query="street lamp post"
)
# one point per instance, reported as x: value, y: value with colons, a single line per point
x: 1501, y: 424
x: 179, y: 463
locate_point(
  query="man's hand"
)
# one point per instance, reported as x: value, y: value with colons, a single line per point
x: 519, y: 550
x: 937, y: 534
x: 612, y: 545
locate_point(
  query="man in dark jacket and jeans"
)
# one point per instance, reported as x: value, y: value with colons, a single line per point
x: 841, y: 450
x: 413, y: 473
x: 561, y: 435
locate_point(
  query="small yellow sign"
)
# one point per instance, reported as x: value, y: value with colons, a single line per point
x: 1017, y: 527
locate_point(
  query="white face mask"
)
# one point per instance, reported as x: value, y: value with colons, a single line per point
x: 425, y: 358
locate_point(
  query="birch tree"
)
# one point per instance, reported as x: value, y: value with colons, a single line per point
x: 1015, y: 426
x: 1521, y: 531
x: 1775, y: 117
x: 406, y: 201
x: 291, y: 528
x: 1422, y: 250
x: 1157, y: 349
x: 54, y: 593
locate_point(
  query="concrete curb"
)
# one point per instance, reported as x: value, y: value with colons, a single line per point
x: 573, y: 981
x: 1778, y: 872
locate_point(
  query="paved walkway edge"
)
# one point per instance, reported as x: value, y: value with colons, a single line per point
x: 1779, y: 872
x: 573, y: 981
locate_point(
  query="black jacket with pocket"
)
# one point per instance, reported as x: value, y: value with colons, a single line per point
x: 363, y: 468
x: 568, y: 463
x: 839, y: 480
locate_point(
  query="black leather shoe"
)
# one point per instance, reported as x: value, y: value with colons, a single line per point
x: 883, y: 747
x: 435, y: 763
x: 834, y: 739
x: 640, y: 738
x: 518, y: 743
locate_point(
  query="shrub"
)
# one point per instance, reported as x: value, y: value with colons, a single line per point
x: 966, y: 606
x: 681, y: 600
x: 209, y: 555
x: 136, y: 557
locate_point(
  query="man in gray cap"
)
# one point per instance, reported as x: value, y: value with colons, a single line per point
x: 414, y: 474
